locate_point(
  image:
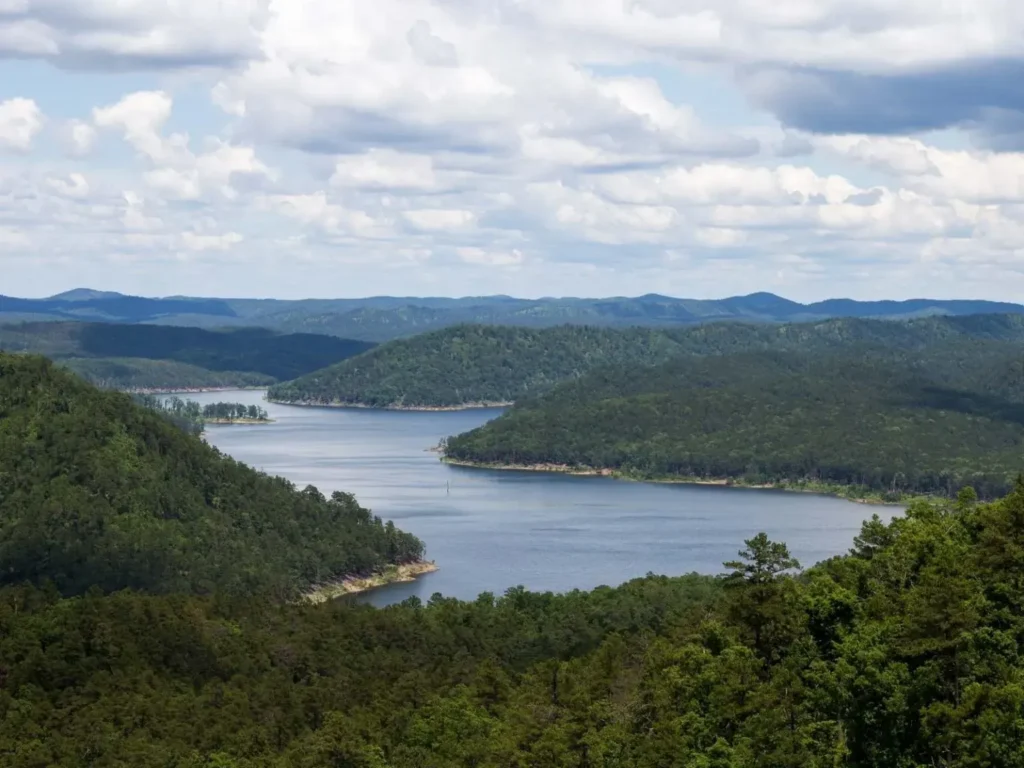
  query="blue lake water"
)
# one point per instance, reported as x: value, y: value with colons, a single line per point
x: 491, y: 530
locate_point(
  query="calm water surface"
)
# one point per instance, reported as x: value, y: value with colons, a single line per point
x: 490, y: 530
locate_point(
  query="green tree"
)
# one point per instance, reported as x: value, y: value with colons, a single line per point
x: 763, y: 596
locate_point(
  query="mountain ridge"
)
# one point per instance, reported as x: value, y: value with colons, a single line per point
x: 382, y: 318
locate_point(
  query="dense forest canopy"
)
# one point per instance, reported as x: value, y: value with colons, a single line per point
x: 148, y: 585
x: 151, y: 356
x: 96, y: 490
x: 906, y: 652
x: 488, y: 364
x: 876, y: 420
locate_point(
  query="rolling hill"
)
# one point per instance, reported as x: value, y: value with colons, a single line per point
x: 96, y: 491
x: 866, y: 419
x: 142, y: 356
x: 472, y: 365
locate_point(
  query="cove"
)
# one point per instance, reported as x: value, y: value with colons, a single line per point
x: 489, y: 530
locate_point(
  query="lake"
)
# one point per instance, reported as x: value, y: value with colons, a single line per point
x: 490, y: 530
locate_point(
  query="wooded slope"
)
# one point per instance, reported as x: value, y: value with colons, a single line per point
x: 468, y: 365
x: 96, y: 490
x: 877, y: 419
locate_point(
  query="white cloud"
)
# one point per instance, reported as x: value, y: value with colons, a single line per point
x: 385, y: 169
x: 438, y: 219
x: 193, y: 241
x: 474, y: 255
x: 348, y: 76
x: 982, y: 177
x: 12, y: 239
x: 177, y: 172
x: 135, y: 218
x: 460, y: 137
x: 317, y: 210
x: 78, y: 137
x: 74, y: 186
x: 142, y: 33
x: 140, y: 117
x: 21, y: 120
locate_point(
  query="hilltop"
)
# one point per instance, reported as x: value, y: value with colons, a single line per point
x: 96, y: 490
x: 472, y: 365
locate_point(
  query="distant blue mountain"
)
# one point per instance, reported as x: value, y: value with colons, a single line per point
x: 83, y: 303
x: 380, y: 318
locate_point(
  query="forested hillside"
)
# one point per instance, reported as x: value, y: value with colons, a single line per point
x: 906, y: 652
x: 96, y: 490
x: 873, y: 419
x: 472, y: 365
x: 131, y: 374
x: 151, y: 356
x: 469, y: 365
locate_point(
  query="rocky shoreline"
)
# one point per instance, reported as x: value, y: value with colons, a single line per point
x: 566, y: 469
x: 238, y: 421
x: 352, y: 585
x: 393, y: 407
x: 187, y: 390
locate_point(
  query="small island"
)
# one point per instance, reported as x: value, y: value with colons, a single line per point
x: 234, y: 413
x: 193, y: 417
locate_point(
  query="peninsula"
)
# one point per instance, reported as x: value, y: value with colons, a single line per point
x: 868, y: 423
x: 492, y: 366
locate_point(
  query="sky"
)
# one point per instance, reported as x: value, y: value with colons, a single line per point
x: 340, y: 148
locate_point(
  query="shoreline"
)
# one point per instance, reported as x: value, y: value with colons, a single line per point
x: 354, y: 585
x: 238, y: 421
x: 186, y: 390
x: 416, y: 408
x: 824, y: 489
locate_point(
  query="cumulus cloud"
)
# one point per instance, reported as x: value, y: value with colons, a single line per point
x: 385, y: 169
x: 429, y: 48
x: 176, y: 171
x: 78, y: 137
x: 194, y: 241
x: 21, y: 120
x: 12, y: 239
x: 534, y: 143
x: 474, y: 255
x: 439, y: 219
x: 74, y: 186
x: 330, y: 217
x: 108, y: 34
x: 416, y: 76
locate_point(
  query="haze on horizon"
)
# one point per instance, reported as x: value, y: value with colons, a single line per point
x: 336, y: 148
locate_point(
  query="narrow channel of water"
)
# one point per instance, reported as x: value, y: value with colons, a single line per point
x: 491, y: 530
